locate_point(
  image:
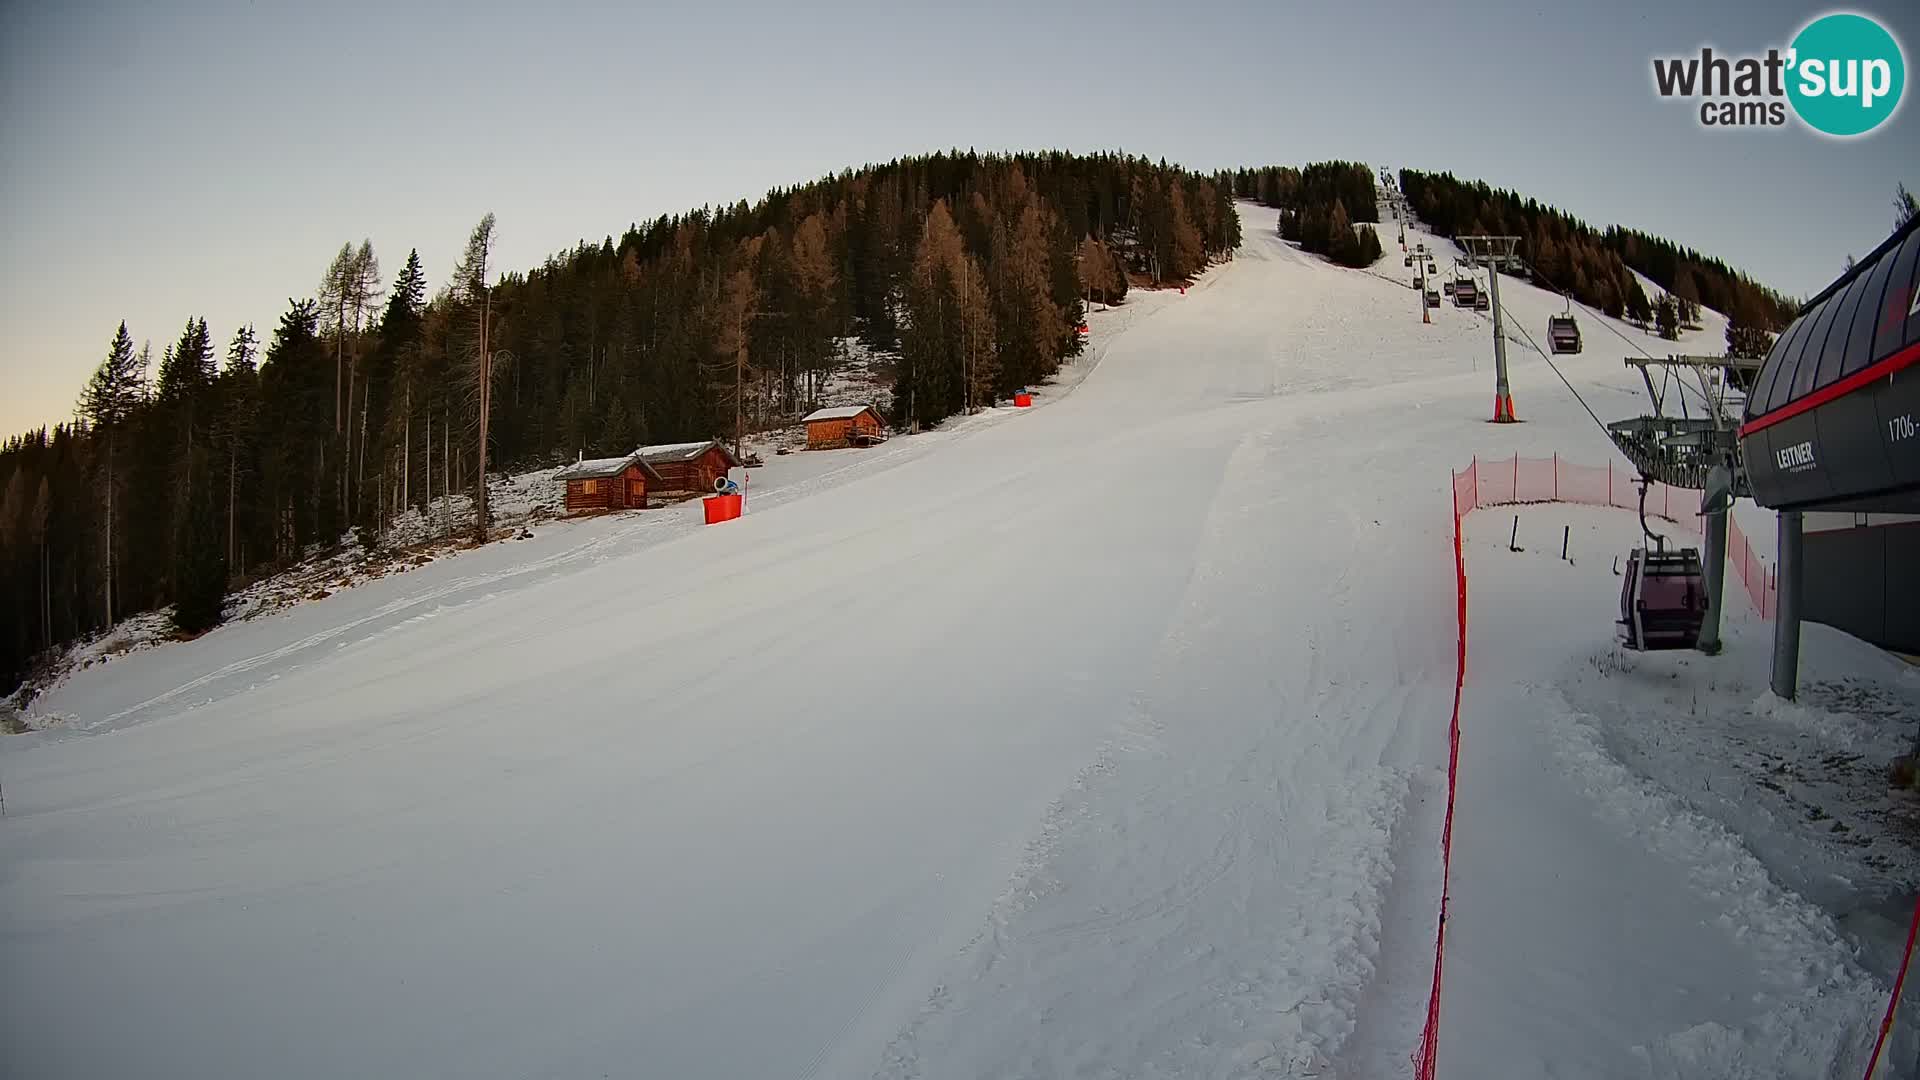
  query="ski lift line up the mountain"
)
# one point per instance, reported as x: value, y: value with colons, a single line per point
x: 1563, y: 330
x: 1603, y: 320
x: 1544, y: 355
x: 1496, y: 250
x: 1668, y: 599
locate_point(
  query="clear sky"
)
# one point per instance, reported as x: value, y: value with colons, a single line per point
x: 167, y: 160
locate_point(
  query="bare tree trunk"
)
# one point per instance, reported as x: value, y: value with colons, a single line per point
x: 360, y: 462
x: 232, y: 461
x: 406, y: 453
x: 486, y: 407
x: 740, y: 392
x: 111, y: 438
x: 339, y: 358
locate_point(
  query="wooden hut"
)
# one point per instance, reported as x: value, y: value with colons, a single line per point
x: 689, y: 466
x: 618, y: 483
x: 852, y: 425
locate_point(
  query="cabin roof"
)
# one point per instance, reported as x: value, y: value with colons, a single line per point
x: 599, y: 468
x: 664, y: 453
x: 841, y: 412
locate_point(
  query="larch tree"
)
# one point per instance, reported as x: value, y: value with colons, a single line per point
x: 472, y: 294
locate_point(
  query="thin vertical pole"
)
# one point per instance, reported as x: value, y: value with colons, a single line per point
x: 1503, y: 393
x: 1716, y: 524
x: 1786, y: 626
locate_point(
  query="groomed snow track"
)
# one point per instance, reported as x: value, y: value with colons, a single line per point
x: 1102, y: 739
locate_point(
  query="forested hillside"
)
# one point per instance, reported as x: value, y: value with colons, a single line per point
x: 1568, y: 255
x: 217, y: 461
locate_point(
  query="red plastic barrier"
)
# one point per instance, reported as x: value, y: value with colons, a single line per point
x: 1022, y: 400
x: 1426, y: 1058
x: 721, y: 508
x: 1523, y: 480
x: 1886, y: 1022
x: 1528, y: 480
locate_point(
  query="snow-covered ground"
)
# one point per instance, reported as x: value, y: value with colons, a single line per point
x: 1649, y: 851
x: 1105, y: 738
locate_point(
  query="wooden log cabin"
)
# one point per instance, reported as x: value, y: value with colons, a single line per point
x: 689, y: 466
x: 618, y: 483
x: 852, y: 425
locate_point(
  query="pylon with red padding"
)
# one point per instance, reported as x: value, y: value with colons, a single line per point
x: 1503, y: 410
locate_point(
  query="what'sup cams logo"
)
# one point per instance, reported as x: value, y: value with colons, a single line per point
x: 1843, y: 75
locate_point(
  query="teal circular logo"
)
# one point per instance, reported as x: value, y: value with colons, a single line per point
x: 1846, y: 74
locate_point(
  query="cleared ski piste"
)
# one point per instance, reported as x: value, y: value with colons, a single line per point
x: 1103, y: 738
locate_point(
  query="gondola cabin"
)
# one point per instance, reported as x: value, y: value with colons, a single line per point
x: 689, y: 466
x: 1563, y: 334
x: 852, y: 425
x: 601, y: 484
x: 1663, y: 599
x: 1465, y: 293
x: 1433, y: 298
x: 1481, y: 301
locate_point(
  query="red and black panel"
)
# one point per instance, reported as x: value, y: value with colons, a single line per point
x: 1831, y: 419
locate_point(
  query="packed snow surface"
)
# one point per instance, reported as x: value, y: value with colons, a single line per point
x: 1100, y: 739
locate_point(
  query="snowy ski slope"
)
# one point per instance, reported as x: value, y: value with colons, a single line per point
x: 1105, y: 738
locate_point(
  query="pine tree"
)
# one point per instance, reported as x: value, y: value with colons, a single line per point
x: 108, y: 403
x: 1342, y: 246
x: 616, y: 430
x: 1638, y: 308
x: 949, y: 348
x: 200, y: 582
x: 235, y: 432
x: 1188, y: 252
x: 1666, y: 317
x: 1745, y: 339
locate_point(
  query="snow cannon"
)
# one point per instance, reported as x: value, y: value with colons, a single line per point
x: 725, y: 485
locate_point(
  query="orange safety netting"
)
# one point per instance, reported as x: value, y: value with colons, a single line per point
x: 1551, y: 479
x: 1516, y: 480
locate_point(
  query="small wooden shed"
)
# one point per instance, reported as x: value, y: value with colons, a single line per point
x: 618, y: 483
x: 689, y: 466
x: 851, y: 425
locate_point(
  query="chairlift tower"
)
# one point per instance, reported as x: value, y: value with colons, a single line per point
x: 1495, y: 251
x: 1697, y: 452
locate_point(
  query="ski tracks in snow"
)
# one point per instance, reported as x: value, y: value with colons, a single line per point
x: 1208, y: 899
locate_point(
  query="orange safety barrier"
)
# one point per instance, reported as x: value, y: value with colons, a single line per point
x: 1518, y: 480
x: 1427, y: 1056
x: 1893, y: 999
x: 721, y: 508
x: 1022, y: 400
